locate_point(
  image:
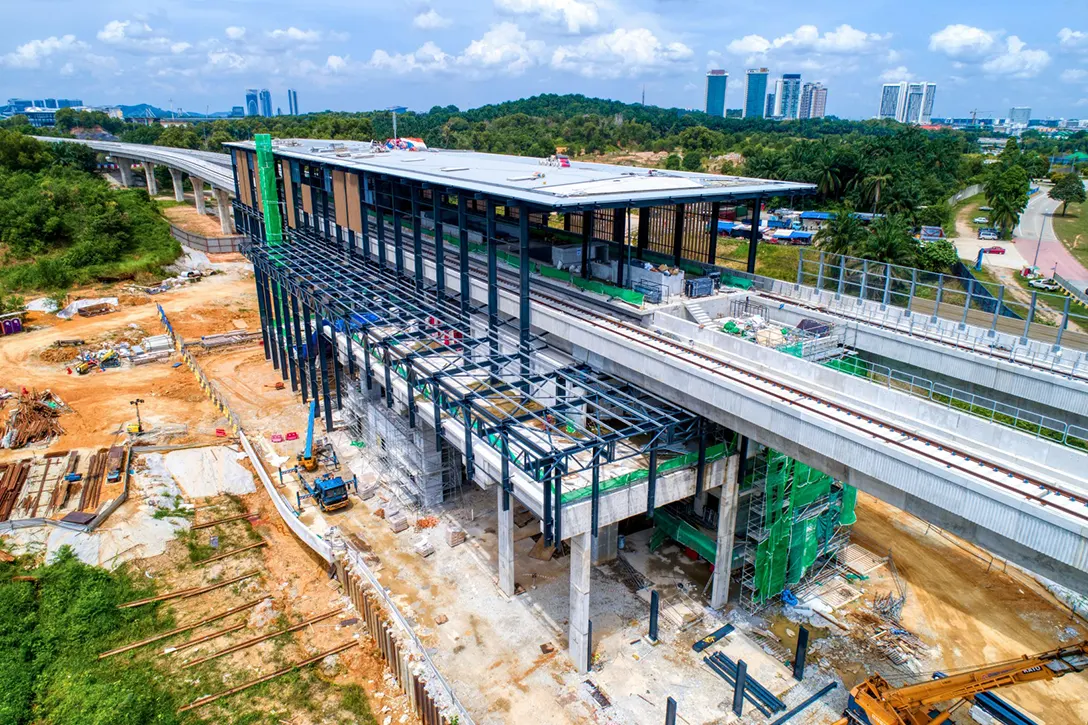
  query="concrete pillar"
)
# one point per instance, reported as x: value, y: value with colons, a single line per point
x: 698, y: 504
x: 178, y: 183
x: 727, y: 527
x: 506, y: 545
x: 198, y: 194
x: 606, y: 545
x: 581, y: 550
x: 125, y: 167
x: 226, y: 215
x: 149, y: 174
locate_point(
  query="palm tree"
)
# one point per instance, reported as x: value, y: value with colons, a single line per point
x: 874, y: 184
x: 828, y: 179
x: 843, y: 234
x: 890, y: 241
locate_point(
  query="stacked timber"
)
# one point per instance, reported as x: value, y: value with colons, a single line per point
x: 11, y: 484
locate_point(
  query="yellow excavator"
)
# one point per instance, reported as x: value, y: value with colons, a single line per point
x: 876, y: 702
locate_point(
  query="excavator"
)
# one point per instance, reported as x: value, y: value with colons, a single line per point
x: 876, y: 702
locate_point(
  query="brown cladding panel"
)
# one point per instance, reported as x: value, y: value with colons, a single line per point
x: 338, y: 198
x: 288, y: 192
x: 307, y: 199
x: 355, y: 216
x: 256, y: 179
x: 243, y: 177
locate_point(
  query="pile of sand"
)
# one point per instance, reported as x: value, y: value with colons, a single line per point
x: 204, y: 472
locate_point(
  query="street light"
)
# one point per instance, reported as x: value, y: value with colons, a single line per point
x: 139, y: 423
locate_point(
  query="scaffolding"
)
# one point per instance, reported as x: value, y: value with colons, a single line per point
x: 798, y: 521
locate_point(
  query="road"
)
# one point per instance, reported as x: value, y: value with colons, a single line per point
x: 1053, y: 256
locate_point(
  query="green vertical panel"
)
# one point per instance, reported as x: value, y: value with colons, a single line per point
x: 266, y: 173
x: 849, y: 501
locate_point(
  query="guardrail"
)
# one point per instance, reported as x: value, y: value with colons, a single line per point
x: 1071, y: 288
x: 210, y: 245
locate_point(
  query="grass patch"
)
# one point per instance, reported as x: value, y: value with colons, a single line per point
x: 1072, y: 229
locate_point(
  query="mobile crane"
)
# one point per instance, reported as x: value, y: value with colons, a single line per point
x: 876, y: 702
x: 308, y: 459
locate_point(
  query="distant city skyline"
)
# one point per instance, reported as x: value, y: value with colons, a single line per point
x: 350, y: 56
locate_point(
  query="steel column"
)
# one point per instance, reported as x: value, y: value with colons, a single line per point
x: 300, y: 342
x: 523, y: 279
x: 492, y: 289
x: 325, y: 397
x: 712, y: 253
x: 643, y: 231
x: 587, y: 236
x: 678, y: 234
x: 619, y: 236
x: 417, y: 239
x: 258, y: 281
x: 462, y: 228
x: 753, y: 238
x: 439, y: 246
x: 310, y: 353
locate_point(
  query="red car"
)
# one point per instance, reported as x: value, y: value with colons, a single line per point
x: 994, y: 250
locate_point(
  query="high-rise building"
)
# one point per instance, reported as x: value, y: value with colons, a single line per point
x: 266, y: 102
x: 716, y: 81
x: 929, y: 98
x: 755, y: 92
x: 908, y: 102
x: 787, y: 92
x: 292, y: 101
x: 768, y: 108
x: 1020, y: 115
x: 889, y: 100
x: 253, y: 106
x: 813, y: 101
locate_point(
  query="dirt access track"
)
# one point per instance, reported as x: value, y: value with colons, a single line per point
x: 101, y: 400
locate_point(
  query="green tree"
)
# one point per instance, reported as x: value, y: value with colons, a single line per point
x: 672, y: 161
x: 693, y: 161
x: 890, y: 241
x: 1007, y: 192
x: 938, y: 256
x: 842, y: 234
x: 874, y: 183
x: 179, y: 137
x: 1067, y: 188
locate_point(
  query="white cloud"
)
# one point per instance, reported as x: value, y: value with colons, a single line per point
x: 235, y: 32
x: 429, y: 57
x: 843, y: 40
x: 576, y: 15
x: 896, y: 75
x: 503, y: 45
x: 296, y: 35
x: 1075, y: 75
x: 33, y: 53
x: 224, y: 59
x: 1072, y: 39
x: 1017, y: 60
x: 336, y: 63
x: 430, y: 20
x: 138, y: 37
x: 962, y: 41
x: 622, y: 52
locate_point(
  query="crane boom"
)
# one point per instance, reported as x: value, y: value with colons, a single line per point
x: 876, y: 702
x: 307, y: 459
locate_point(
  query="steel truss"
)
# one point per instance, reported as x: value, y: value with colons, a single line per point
x: 579, y: 419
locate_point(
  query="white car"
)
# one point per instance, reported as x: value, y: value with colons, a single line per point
x: 981, y: 220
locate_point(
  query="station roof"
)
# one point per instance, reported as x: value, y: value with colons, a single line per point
x: 540, y: 182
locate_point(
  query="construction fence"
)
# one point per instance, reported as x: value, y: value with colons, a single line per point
x: 208, y: 245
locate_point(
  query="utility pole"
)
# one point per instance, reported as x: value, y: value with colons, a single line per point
x: 139, y: 423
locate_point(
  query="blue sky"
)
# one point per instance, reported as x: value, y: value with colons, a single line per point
x: 364, y: 54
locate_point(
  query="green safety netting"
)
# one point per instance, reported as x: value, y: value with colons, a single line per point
x: 803, y: 508
x: 851, y: 365
x: 687, y: 460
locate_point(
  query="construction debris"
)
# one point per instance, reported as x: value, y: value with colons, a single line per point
x: 34, y: 419
x: 455, y: 535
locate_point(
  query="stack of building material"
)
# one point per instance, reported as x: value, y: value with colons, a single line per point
x: 233, y: 337
x: 455, y: 535
x: 12, y: 478
x: 398, y: 522
x: 424, y: 547
x: 34, y: 419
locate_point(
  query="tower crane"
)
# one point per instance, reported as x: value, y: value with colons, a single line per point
x: 876, y: 702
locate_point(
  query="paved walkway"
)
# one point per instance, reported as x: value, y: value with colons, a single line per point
x: 1052, y: 254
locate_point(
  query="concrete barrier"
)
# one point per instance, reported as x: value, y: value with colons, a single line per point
x: 208, y: 245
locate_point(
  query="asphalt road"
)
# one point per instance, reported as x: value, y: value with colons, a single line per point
x: 1052, y: 254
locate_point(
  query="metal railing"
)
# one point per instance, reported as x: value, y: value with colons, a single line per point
x: 212, y: 245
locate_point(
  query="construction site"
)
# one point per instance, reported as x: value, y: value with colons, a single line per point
x: 508, y: 424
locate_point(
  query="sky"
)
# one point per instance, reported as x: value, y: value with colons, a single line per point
x: 356, y: 55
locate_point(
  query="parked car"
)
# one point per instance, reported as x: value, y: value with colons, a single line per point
x: 1048, y: 285
x: 989, y: 235
x: 994, y: 250
x: 981, y: 220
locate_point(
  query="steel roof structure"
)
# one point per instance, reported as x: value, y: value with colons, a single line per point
x: 543, y: 183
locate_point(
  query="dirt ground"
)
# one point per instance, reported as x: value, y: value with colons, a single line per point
x: 100, y: 400
x: 185, y: 217
x: 971, y: 616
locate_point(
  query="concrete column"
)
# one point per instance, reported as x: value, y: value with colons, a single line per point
x: 226, y: 216
x: 727, y: 527
x: 606, y: 545
x: 506, y: 545
x: 149, y: 174
x: 178, y: 183
x: 198, y: 194
x: 125, y: 167
x: 581, y: 550
x: 698, y: 504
